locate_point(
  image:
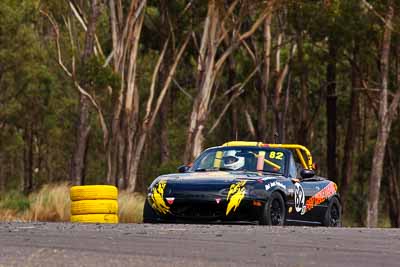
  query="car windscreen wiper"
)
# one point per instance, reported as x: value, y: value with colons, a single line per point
x: 205, y: 170
x: 271, y: 172
x: 213, y: 169
x: 225, y: 169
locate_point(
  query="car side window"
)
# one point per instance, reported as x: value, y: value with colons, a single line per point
x: 292, y: 167
x: 207, y: 162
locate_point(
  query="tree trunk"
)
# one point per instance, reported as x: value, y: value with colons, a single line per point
x: 352, y: 132
x: 376, y: 174
x: 394, y: 192
x: 132, y: 185
x: 303, y: 126
x: 125, y: 32
x: 128, y: 130
x: 262, y: 132
x: 208, y: 69
x: 78, y: 164
x: 277, y: 92
x: 28, y: 160
x: 234, y: 116
x: 384, y: 125
x: 276, y: 103
x: 82, y: 136
x: 151, y: 115
x: 394, y: 200
x: 282, y: 126
x: 130, y: 118
x: 114, y: 146
x: 165, y: 107
x: 331, y: 109
x: 164, y: 140
x: 206, y: 63
x: 3, y: 175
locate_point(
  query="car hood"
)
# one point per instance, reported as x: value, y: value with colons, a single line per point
x: 215, y: 180
x: 226, y: 190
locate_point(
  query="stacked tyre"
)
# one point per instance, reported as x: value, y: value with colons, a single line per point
x: 94, y: 204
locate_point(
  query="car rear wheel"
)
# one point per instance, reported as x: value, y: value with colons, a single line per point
x: 333, y: 215
x: 274, y: 212
x: 149, y: 215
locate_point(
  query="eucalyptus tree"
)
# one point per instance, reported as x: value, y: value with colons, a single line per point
x: 386, y: 115
x: 126, y: 130
x: 221, y: 22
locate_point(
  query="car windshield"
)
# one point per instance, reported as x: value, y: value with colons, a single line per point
x: 241, y: 159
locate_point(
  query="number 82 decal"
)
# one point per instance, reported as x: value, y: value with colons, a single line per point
x: 276, y: 155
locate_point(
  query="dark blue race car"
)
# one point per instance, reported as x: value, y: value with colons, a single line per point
x: 272, y: 184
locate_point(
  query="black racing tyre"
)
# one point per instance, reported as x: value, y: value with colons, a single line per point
x: 333, y: 214
x: 274, y: 212
x: 149, y: 215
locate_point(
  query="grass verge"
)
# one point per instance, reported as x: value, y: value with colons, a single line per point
x: 130, y: 207
x: 52, y: 204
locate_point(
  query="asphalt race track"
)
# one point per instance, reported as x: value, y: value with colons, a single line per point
x: 64, y: 244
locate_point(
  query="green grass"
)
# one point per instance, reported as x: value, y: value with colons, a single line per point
x: 14, y: 201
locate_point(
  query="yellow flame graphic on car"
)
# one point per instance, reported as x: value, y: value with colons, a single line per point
x: 235, y: 196
x: 158, y: 198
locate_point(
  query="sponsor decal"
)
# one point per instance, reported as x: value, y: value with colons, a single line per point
x: 299, y: 203
x: 235, y: 195
x: 268, y: 186
x: 218, y: 200
x: 170, y: 200
x: 321, y: 196
x: 290, y: 191
x: 157, y: 196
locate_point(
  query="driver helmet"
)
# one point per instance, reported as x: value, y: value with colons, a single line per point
x: 233, y: 162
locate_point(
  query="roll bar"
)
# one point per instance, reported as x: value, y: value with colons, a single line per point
x: 299, y: 149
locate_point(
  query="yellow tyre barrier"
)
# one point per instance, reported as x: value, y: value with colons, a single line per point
x: 95, y: 218
x: 99, y: 206
x: 94, y: 204
x: 91, y: 192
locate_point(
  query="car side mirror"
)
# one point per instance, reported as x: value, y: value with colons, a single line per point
x: 183, y: 168
x: 305, y: 173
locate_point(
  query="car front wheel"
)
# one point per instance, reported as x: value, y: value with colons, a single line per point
x: 274, y: 212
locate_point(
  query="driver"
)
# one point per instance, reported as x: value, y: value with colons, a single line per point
x: 233, y: 162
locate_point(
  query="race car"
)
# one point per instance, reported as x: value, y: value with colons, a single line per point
x: 239, y: 181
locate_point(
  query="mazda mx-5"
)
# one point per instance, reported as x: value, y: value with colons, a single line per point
x: 272, y: 184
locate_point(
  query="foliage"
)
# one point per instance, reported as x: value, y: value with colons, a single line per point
x: 15, y: 201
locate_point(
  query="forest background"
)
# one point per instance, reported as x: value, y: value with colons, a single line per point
x: 119, y: 92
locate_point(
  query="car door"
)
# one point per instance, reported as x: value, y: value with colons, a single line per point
x: 301, y: 195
